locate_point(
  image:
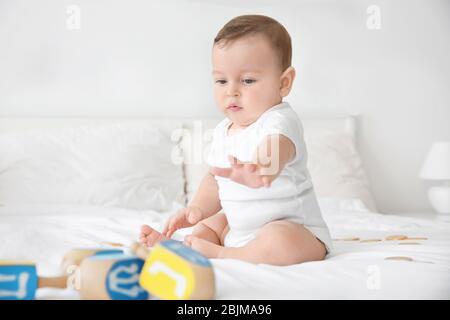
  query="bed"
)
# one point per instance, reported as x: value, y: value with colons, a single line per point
x: 67, y: 183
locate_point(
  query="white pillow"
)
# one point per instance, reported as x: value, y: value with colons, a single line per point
x: 333, y: 160
x: 336, y: 167
x: 195, y: 145
x: 123, y: 165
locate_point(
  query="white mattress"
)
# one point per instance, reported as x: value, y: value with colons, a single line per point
x: 356, y: 270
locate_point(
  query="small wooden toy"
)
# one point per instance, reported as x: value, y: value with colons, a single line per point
x: 19, y: 281
x: 101, y: 276
x: 396, y: 237
x: 74, y: 257
x: 111, y: 277
x: 174, y: 271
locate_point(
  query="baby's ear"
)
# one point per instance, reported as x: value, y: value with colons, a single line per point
x: 286, y: 81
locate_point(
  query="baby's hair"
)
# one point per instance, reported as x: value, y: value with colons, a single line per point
x: 274, y: 31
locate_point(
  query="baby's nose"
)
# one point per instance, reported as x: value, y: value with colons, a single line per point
x: 233, y: 91
x: 233, y: 94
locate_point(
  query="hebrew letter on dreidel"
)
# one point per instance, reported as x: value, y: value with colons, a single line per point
x: 117, y: 282
x: 114, y: 277
x: 159, y: 267
x: 21, y: 292
x: 19, y: 280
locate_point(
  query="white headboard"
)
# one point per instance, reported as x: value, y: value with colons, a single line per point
x: 310, y: 122
x: 18, y: 124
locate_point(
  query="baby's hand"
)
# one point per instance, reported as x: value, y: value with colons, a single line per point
x: 184, y: 218
x: 249, y: 174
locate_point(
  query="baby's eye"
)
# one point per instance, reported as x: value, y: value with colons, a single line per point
x: 248, y: 81
x: 221, y: 81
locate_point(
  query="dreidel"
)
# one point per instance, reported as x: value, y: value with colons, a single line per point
x: 111, y: 277
x: 74, y: 257
x: 20, y: 281
x: 175, y: 271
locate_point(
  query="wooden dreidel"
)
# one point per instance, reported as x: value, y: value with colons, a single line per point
x: 174, y: 271
x: 73, y: 258
x: 19, y: 281
x: 111, y: 277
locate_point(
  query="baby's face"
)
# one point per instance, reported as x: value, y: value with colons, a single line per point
x: 247, y: 81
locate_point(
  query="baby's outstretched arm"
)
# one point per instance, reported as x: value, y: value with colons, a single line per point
x: 270, y: 158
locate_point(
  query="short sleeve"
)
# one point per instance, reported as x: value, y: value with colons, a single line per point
x: 285, y: 124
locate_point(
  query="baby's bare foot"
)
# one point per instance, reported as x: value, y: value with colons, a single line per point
x: 208, y: 249
x: 150, y: 236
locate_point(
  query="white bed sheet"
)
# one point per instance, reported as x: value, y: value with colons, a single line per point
x: 355, y: 270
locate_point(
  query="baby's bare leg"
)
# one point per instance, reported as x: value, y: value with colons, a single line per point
x: 211, y: 229
x: 279, y: 243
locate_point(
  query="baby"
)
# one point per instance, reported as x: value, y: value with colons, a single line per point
x: 258, y: 174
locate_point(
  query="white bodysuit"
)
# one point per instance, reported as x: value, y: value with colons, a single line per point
x: 291, y: 195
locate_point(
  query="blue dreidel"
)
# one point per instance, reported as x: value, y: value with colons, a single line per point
x: 175, y: 271
x: 19, y: 281
x: 111, y: 277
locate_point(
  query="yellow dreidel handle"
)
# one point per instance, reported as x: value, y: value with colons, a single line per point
x: 174, y: 271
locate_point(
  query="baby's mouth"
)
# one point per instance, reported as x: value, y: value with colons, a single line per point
x: 234, y: 108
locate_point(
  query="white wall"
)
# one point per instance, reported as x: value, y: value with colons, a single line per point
x: 152, y: 58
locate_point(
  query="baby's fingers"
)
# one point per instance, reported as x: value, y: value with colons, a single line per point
x: 170, y: 232
x: 266, y: 181
x: 268, y: 171
x: 221, y: 172
x: 235, y: 163
x: 250, y: 167
x: 174, y: 223
x: 169, y: 229
x: 145, y: 229
x: 166, y: 228
x: 169, y: 226
x: 143, y: 240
